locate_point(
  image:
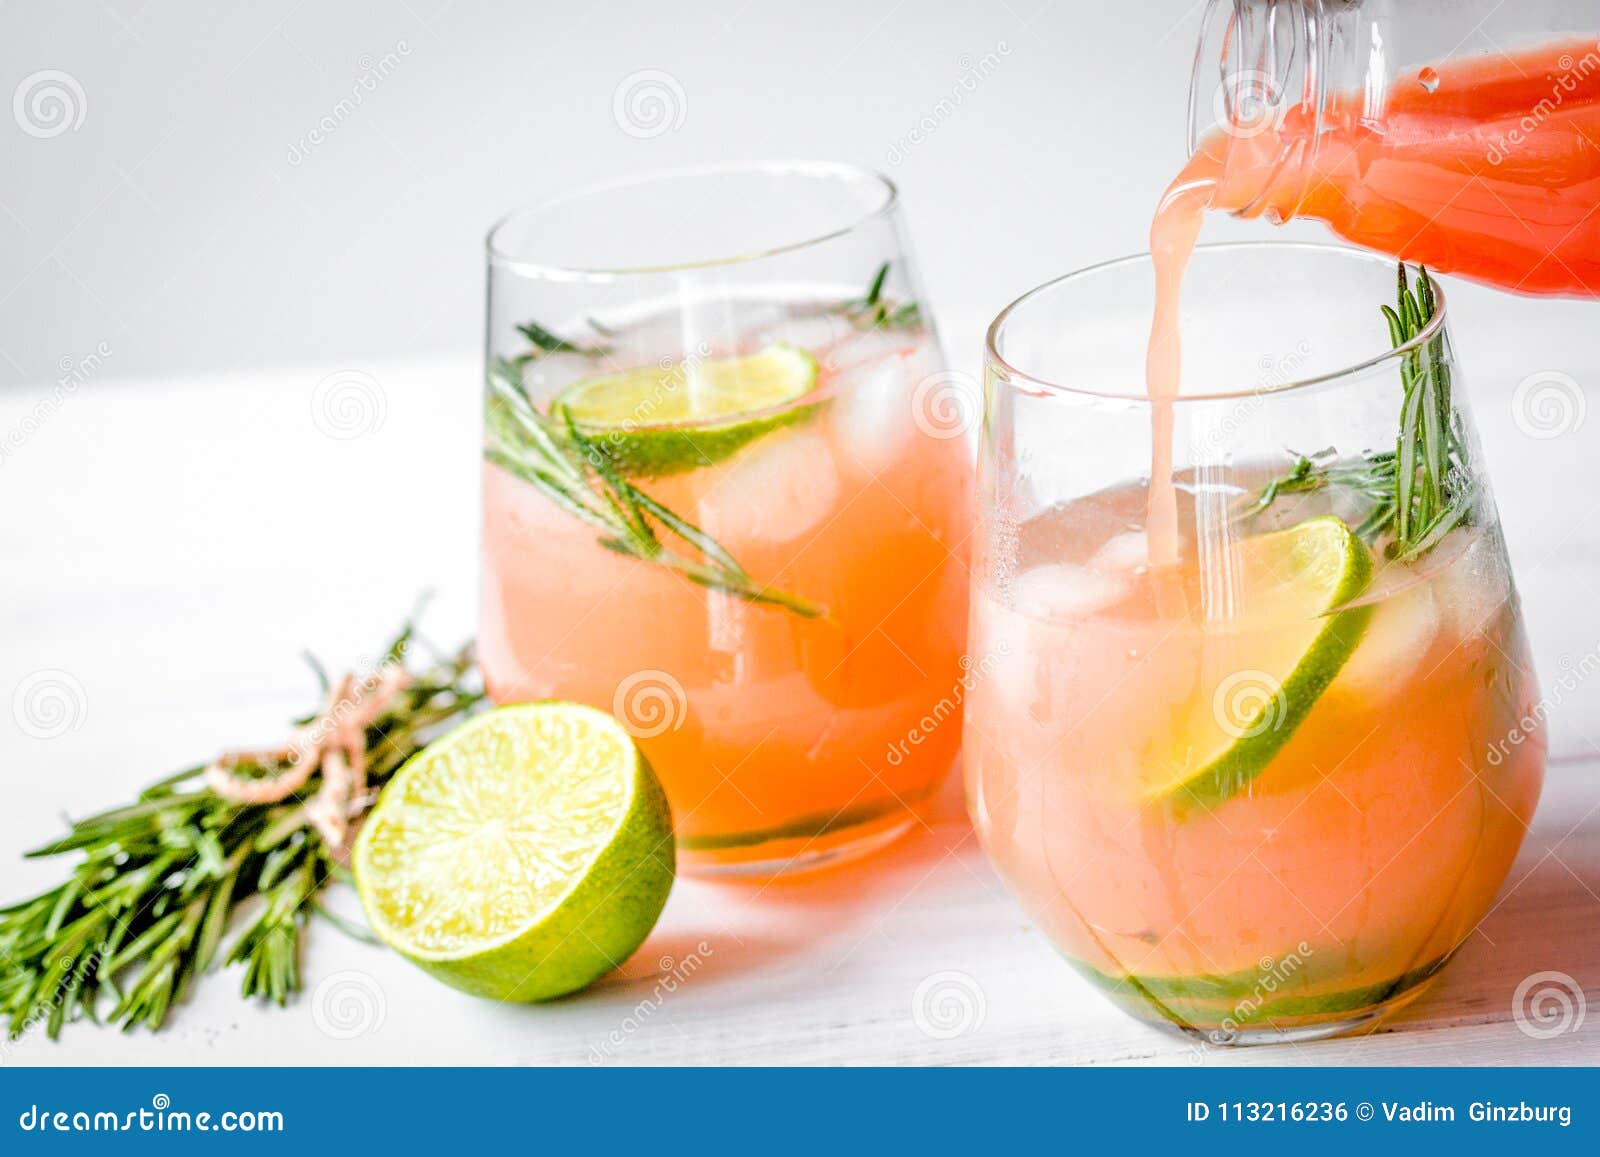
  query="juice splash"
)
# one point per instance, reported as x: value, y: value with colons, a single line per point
x: 1173, y: 234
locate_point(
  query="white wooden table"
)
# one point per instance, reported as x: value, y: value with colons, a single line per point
x: 172, y: 546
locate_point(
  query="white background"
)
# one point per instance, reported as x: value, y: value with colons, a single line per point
x: 173, y: 223
x: 186, y: 221
x: 175, y: 531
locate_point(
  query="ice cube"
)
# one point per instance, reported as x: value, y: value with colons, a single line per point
x: 1402, y: 628
x: 668, y: 334
x: 870, y: 414
x: 1062, y: 590
x: 1004, y: 644
x: 816, y: 332
x: 1122, y: 554
x: 855, y: 348
x: 780, y: 488
x: 1476, y: 580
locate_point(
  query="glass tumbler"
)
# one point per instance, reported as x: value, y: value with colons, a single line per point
x: 727, y: 498
x: 1260, y: 782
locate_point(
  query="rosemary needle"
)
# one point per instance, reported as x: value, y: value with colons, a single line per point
x: 872, y: 311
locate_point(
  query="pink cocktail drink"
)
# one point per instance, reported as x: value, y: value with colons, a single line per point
x: 1333, y: 884
x: 778, y: 727
x: 1259, y: 736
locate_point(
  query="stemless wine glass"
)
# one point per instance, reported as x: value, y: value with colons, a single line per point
x: 1258, y: 783
x: 725, y: 498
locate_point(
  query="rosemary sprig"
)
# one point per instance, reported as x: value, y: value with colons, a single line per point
x: 551, y: 453
x: 145, y: 910
x: 872, y: 311
x: 1422, y: 489
x: 1434, y: 492
x: 1372, y: 477
x: 545, y: 342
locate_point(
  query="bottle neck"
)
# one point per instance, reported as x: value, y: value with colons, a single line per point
x: 1261, y: 97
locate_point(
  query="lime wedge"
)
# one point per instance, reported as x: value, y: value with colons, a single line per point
x: 522, y: 856
x: 1266, y: 667
x: 685, y: 414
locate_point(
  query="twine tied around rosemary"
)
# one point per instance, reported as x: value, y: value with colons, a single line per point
x: 332, y: 742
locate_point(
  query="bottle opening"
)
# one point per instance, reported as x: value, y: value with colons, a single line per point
x: 1256, y: 100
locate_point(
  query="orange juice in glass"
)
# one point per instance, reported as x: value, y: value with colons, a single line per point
x: 1263, y: 790
x: 726, y: 497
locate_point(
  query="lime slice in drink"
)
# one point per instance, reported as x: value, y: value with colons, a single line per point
x: 1265, y: 667
x: 520, y: 857
x: 685, y: 414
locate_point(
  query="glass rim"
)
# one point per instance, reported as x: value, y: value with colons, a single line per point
x: 1014, y: 375
x: 500, y: 257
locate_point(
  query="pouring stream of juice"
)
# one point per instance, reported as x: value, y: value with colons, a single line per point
x: 1488, y: 168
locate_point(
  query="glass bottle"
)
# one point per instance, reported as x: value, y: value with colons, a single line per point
x: 1463, y: 134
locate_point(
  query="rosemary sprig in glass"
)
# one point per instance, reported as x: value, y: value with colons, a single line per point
x: 160, y: 882
x: 545, y: 342
x: 872, y: 311
x: 548, y: 450
x: 551, y: 453
x: 1422, y: 489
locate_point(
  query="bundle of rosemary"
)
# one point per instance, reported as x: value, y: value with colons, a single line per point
x: 160, y: 882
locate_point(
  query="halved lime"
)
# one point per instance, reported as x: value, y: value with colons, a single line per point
x: 685, y: 414
x: 1266, y: 666
x: 520, y: 857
